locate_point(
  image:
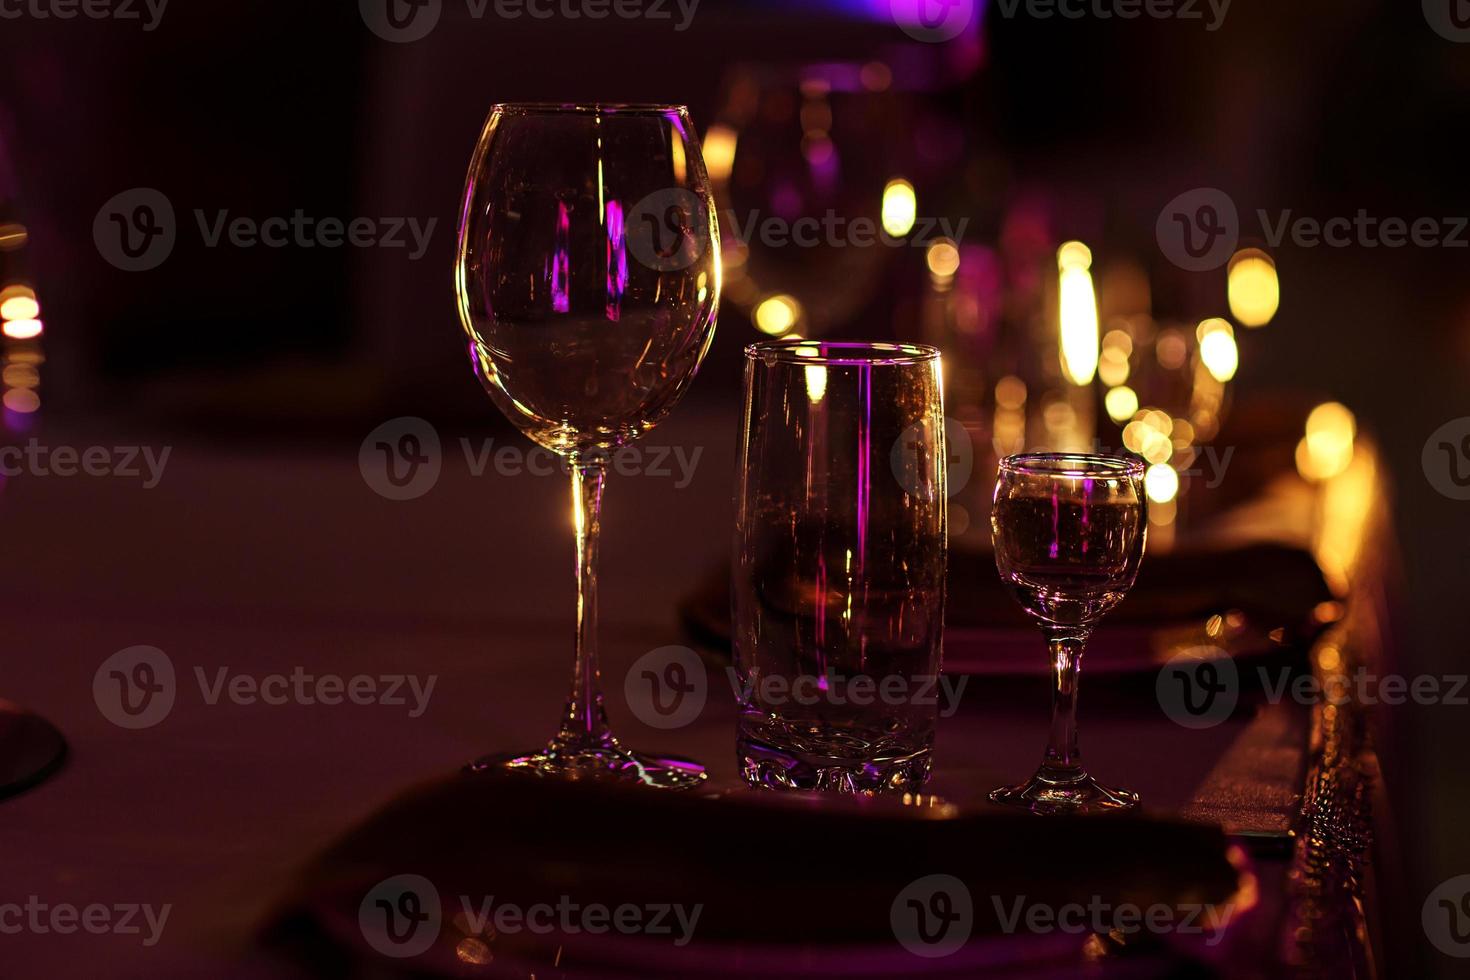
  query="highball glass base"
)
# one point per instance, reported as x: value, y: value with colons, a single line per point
x: 1064, y: 791
x: 601, y: 759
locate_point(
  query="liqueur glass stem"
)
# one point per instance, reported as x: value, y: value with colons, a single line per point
x: 1062, y: 756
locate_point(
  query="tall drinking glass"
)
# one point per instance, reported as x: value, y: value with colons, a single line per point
x: 1069, y: 532
x: 839, y: 565
x: 588, y: 280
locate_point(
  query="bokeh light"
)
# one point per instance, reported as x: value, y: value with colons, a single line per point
x: 900, y: 207
x: 1253, y: 287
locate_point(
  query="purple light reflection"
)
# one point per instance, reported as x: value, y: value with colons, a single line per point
x: 561, y: 261
x: 617, y: 260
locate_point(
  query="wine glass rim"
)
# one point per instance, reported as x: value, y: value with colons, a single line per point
x: 583, y: 108
x: 841, y: 353
x: 1092, y: 465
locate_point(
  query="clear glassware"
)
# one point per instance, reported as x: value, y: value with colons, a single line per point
x: 588, y: 281
x: 839, y: 564
x: 1069, y: 531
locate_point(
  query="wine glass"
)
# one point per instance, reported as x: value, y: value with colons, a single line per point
x: 1069, y: 532
x: 588, y: 280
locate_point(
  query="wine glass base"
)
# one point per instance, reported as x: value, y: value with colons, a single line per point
x: 600, y: 760
x: 1073, y: 794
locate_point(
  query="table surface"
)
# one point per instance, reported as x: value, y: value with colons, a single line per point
x: 268, y: 560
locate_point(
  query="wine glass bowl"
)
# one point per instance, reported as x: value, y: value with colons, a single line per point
x: 588, y: 283
x: 589, y: 271
x: 1069, y: 532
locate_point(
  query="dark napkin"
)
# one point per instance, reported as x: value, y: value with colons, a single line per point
x: 788, y: 885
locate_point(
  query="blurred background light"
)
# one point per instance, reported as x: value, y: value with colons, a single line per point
x: 900, y: 207
x: 776, y: 315
x: 1253, y: 287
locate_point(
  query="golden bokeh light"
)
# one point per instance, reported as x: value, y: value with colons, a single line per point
x: 1077, y: 302
x: 1217, y: 348
x: 816, y: 382
x: 1010, y: 393
x: 1074, y: 255
x: 943, y: 259
x: 19, y: 303
x: 1161, y: 483
x: 1121, y: 403
x: 22, y: 400
x: 900, y: 207
x: 719, y: 152
x: 23, y: 329
x: 1253, y: 287
x: 1327, y: 448
x: 776, y: 315
x: 1112, y: 366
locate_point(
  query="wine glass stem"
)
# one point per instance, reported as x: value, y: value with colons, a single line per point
x: 1062, y: 757
x: 586, y: 718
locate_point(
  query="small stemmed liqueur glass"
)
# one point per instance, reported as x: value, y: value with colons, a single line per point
x: 1069, y: 532
x: 588, y: 280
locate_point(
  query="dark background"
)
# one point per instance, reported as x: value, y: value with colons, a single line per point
x: 261, y: 108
